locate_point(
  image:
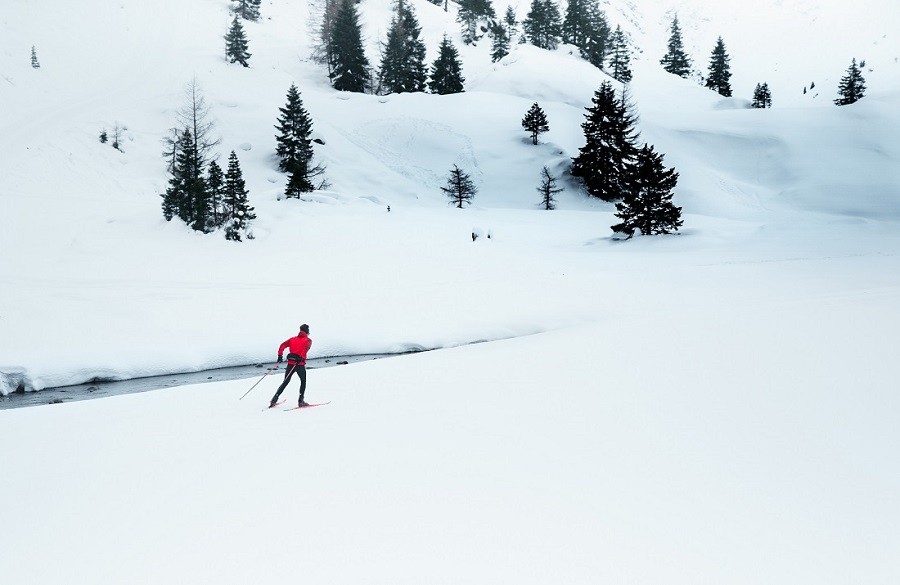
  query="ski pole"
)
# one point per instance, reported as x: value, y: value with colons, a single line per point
x: 268, y: 371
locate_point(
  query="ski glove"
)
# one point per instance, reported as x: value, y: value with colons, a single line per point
x: 280, y: 359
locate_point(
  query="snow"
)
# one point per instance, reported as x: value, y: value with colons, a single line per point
x: 718, y: 406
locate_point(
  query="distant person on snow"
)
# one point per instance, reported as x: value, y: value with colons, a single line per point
x: 297, y: 347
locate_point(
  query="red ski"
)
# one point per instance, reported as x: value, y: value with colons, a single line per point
x: 307, y: 406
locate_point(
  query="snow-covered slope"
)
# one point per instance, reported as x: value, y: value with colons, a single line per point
x: 710, y: 407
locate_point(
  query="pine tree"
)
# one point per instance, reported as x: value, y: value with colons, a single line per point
x: 446, y: 71
x: 542, y: 25
x: 586, y: 27
x: 247, y: 9
x: 237, y: 205
x: 475, y: 18
x: 647, y: 206
x: 509, y: 18
x: 294, y: 132
x: 215, y: 185
x: 34, y: 59
x: 187, y: 196
x: 104, y: 137
x: 675, y: 60
x: 403, y: 59
x: 610, y: 145
x: 720, y: 70
x: 236, y: 44
x: 620, y: 57
x: 347, y: 63
x: 535, y: 122
x: 852, y: 87
x: 597, y: 33
x: 762, y: 97
x: 548, y: 190
x: 499, y: 42
x: 460, y: 188
x: 294, y: 149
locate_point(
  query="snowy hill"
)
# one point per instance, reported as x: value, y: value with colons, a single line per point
x: 716, y: 406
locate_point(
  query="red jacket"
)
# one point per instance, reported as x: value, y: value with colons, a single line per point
x: 298, y: 346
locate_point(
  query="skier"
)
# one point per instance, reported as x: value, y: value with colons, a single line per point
x: 297, y: 347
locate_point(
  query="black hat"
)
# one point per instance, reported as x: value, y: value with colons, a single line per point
x: 304, y: 328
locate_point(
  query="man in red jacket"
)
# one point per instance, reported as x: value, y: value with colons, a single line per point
x: 297, y: 347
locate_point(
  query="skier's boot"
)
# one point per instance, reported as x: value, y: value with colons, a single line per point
x: 273, y: 403
x: 302, y: 403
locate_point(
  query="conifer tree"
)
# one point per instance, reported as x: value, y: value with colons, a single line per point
x: 194, y: 114
x: 475, y: 18
x: 237, y: 205
x: 619, y: 57
x: 610, y: 144
x: 187, y: 196
x: 294, y: 149
x: 535, y: 122
x: 499, y: 42
x: 548, y: 190
x: 348, y: 67
x: 446, y: 71
x: 104, y: 137
x: 542, y: 25
x: 215, y: 185
x: 675, y: 60
x: 294, y: 132
x: 460, y: 188
x: 852, y: 87
x: 719, y: 78
x: 762, y: 97
x: 236, y: 44
x: 509, y: 18
x: 647, y: 205
x: 247, y: 9
x: 586, y: 27
x: 34, y: 59
x: 403, y: 59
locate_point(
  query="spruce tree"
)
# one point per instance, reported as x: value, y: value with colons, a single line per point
x: 403, y: 58
x: 187, y: 196
x: 247, y: 9
x: 236, y: 44
x: 499, y: 42
x: 215, y: 184
x: 542, y: 25
x: 509, y: 18
x: 720, y: 70
x: 647, y: 206
x: 474, y: 17
x: 446, y: 71
x: 548, y: 190
x: 348, y: 66
x: 852, y: 87
x: 675, y: 60
x: 762, y: 97
x: 237, y: 205
x: 619, y: 57
x: 104, y: 137
x: 535, y: 122
x: 610, y: 145
x: 34, y: 59
x: 586, y: 27
x: 294, y: 132
x: 294, y: 149
x: 460, y: 188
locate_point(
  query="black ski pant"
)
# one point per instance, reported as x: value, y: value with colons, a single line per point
x: 301, y: 371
